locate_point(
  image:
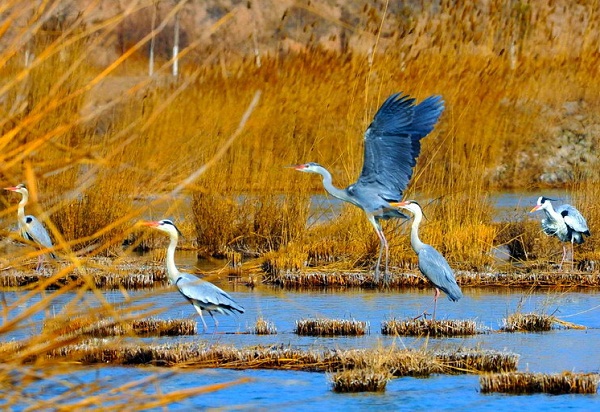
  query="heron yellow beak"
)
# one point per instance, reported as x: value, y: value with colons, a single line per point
x: 149, y: 223
x: 399, y: 204
x: 12, y: 188
x: 537, y: 207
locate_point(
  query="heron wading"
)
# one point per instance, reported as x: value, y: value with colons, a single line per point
x: 201, y: 294
x: 392, y: 143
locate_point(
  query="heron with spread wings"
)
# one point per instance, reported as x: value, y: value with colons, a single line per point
x: 392, y: 144
x: 30, y: 227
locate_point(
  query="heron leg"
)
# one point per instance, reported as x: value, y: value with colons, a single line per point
x: 215, y: 320
x: 199, y: 310
x: 383, y: 244
x: 435, y: 298
x: 40, y: 263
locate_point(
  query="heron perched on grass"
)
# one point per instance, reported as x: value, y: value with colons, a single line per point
x: 565, y: 222
x: 431, y: 262
x: 30, y: 227
x: 201, y: 294
x: 392, y: 145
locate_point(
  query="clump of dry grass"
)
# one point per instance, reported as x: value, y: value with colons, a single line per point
x: 359, y: 380
x: 331, y: 327
x: 84, y: 327
x: 478, y: 360
x: 555, y: 384
x: 264, y: 327
x: 429, y: 327
x: 528, y: 322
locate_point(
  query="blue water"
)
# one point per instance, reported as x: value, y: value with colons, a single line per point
x: 555, y: 351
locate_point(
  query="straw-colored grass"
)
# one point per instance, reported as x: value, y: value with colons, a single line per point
x: 359, y: 380
x: 555, y: 384
x: 429, y: 327
x: 135, y: 327
x: 331, y: 327
x: 264, y: 327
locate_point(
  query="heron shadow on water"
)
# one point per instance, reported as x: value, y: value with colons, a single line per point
x: 565, y: 222
x: 392, y: 144
x: 30, y: 227
x: 203, y: 295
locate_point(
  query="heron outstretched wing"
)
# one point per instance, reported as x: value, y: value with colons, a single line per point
x: 392, y: 143
x: 433, y: 265
x: 36, y: 232
x: 206, y: 294
x: 573, y: 218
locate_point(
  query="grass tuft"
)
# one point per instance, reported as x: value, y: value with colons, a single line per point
x: 429, y: 327
x: 555, y: 384
x: 331, y: 327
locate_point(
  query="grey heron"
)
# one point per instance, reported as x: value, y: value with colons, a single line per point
x: 392, y: 143
x: 431, y: 262
x: 565, y: 222
x: 30, y: 227
x: 201, y: 294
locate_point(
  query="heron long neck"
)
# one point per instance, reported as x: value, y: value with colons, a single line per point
x: 331, y: 189
x: 21, y: 209
x: 415, y: 242
x: 551, y: 213
x: 171, y: 268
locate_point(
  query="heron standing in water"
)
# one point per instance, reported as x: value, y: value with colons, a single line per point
x: 431, y: 262
x: 201, y: 294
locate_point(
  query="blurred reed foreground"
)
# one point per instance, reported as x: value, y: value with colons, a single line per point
x: 106, y: 128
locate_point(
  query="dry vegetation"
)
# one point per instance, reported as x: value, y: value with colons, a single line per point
x: 101, y: 144
x: 555, y: 384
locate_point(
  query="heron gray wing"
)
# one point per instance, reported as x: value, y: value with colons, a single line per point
x: 573, y: 218
x: 393, y: 143
x: 208, y: 296
x: 36, y: 232
x: 435, y: 267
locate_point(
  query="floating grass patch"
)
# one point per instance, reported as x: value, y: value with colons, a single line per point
x: 470, y: 360
x: 359, y: 380
x: 330, y: 327
x: 264, y: 327
x: 527, y: 322
x: 430, y: 327
x: 107, y: 327
x: 555, y: 384
x: 396, y: 362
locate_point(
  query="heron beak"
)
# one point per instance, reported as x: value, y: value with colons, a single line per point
x: 399, y: 204
x: 296, y: 167
x: 537, y: 207
x: 151, y: 224
x: 12, y: 188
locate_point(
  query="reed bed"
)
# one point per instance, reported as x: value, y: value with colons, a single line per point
x: 359, y: 380
x: 264, y: 327
x: 331, y: 327
x: 106, y: 327
x: 398, y: 362
x: 526, y: 383
x: 528, y: 322
x: 430, y: 327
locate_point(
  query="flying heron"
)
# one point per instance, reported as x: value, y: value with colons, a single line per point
x: 392, y: 145
x: 30, y: 227
x: 431, y: 262
x: 565, y: 222
x: 201, y: 294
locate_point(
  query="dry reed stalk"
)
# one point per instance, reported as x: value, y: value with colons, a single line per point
x: 555, y: 384
x: 476, y: 361
x: 330, y: 327
x: 359, y: 380
x: 264, y: 327
x: 429, y: 327
x: 527, y: 322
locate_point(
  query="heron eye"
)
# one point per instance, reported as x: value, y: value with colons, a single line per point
x: 29, y: 219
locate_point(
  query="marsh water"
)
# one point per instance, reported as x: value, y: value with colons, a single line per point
x: 559, y: 350
x: 555, y: 351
